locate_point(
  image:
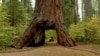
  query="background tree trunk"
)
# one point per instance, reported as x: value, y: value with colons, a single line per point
x: 88, y: 8
x: 47, y: 15
x: 76, y: 12
x: 3, y: 1
x: 99, y: 7
x: 75, y: 3
x: 28, y: 6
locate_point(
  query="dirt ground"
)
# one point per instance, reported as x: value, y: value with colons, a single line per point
x: 50, y: 49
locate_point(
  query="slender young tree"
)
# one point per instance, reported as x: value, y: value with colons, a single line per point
x: 48, y: 14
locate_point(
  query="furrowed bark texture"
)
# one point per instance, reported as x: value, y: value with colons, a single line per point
x: 47, y: 15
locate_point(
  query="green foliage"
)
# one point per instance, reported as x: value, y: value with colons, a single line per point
x: 49, y: 34
x: 6, y: 36
x: 16, y: 11
x: 9, y: 34
x: 86, y: 31
x: 93, y: 27
x: 28, y: 6
x: 3, y: 14
x: 77, y: 30
x: 68, y: 10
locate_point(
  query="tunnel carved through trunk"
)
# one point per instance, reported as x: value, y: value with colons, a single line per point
x: 48, y: 14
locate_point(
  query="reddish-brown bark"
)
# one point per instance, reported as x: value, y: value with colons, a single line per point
x: 47, y: 15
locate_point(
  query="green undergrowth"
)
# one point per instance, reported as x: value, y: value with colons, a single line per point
x: 88, y: 32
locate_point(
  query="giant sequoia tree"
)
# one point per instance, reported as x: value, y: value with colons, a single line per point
x: 47, y: 15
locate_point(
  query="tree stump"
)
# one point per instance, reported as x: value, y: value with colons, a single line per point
x: 48, y: 14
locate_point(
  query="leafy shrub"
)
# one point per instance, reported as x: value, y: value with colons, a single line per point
x: 77, y: 31
x: 9, y: 34
x: 6, y: 36
x: 93, y: 26
x: 86, y: 31
x: 3, y: 14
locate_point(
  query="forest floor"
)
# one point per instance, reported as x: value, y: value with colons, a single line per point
x: 53, y: 49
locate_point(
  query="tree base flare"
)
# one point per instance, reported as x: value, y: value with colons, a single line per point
x: 47, y: 15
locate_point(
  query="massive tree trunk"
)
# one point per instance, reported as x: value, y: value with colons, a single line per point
x: 47, y: 15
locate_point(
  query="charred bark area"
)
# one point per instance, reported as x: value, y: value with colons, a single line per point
x: 47, y: 15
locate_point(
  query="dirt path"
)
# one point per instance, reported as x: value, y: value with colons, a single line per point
x: 49, y: 50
